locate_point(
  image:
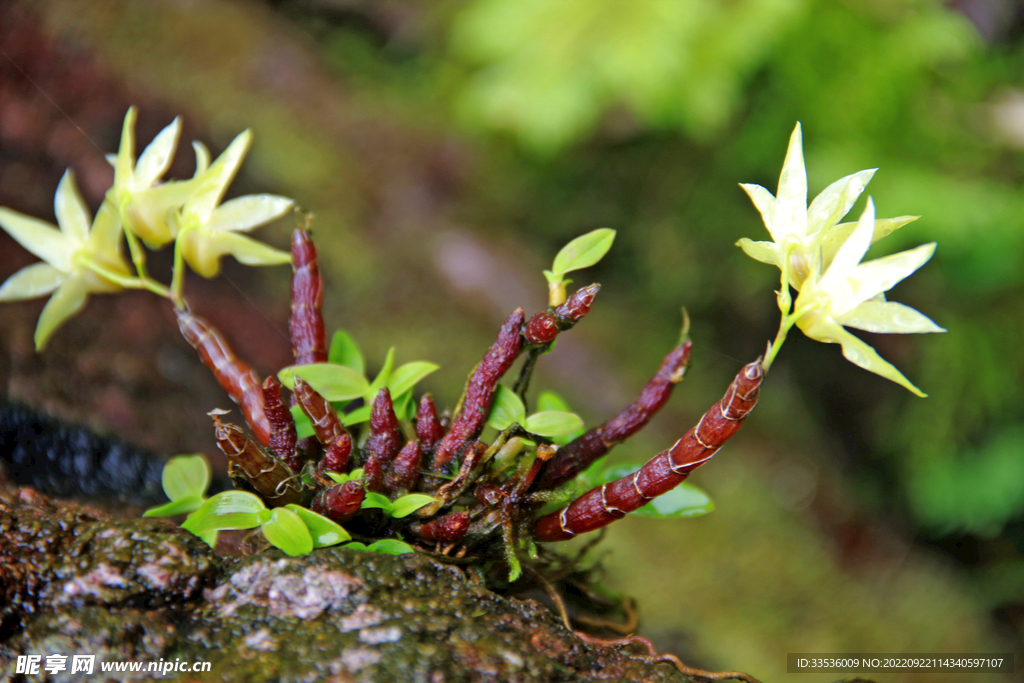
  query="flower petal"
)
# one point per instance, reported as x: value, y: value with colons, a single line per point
x: 70, y: 209
x: 889, y: 317
x: 834, y: 238
x: 204, y: 248
x: 124, y: 167
x: 69, y: 299
x: 790, y: 217
x: 875, y: 277
x: 841, y: 288
x: 39, y: 237
x: 105, y: 235
x: 765, y: 252
x: 251, y: 211
x: 33, y: 281
x: 860, y: 353
x: 202, y: 158
x: 213, y: 183
x: 836, y: 200
x: 156, y: 158
x: 763, y: 200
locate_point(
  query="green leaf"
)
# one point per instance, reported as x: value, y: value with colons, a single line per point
x: 376, y: 500
x: 175, y: 507
x: 345, y: 351
x: 584, y: 251
x: 303, y: 425
x: 553, y: 423
x: 382, y: 378
x: 333, y: 382
x: 186, y: 476
x: 341, y: 478
x: 357, y: 546
x: 390, y: 546
x: 549, y: 400
x: 324, y: 531
x: 357, y: 416
x: 286, y: 530
x: 685, y: 500
x: 405, y: 377
x: 405, y: 407
x: 506, y: 409
x: 408, y: 504
x: 226, y: 510
x: 209, y: 538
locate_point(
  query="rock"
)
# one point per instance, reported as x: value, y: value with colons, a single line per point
x: 75, y: 581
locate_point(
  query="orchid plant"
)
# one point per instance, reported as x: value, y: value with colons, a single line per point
x: 412, y: 478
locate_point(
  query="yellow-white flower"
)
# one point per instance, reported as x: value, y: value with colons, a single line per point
x: 852, y: 294
x: 67, y: 253
x: 811, y: 235
x: 207, y: 232
x: 143, y: 202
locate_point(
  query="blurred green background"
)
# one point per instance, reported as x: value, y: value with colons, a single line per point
x: 450, y: 148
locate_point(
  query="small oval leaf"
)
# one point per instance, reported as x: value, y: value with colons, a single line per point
x: 186, y: 476
x: 376, y: 500
x: 324, y: 531
x: 286, y: 530
x: 175, y: 507
x: 553, y: 423
x: 390, y: 546
x: 405, y: 377
x: 506, y: 409
x: 226, y: 510
x: 333, y: 382
x: 357, y: 416
x: 549, y: 400
x: 345, y: 351
x: 408, y: 504
x: 584, y: 251
x: 685, y: 500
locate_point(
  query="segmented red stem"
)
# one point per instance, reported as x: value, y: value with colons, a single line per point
x: 479, y: 392
x: 340, y: 502
x: 320, y: 412
x: 576, y: 306
x: 446, y: 529
x: 605, y: 504
x: 236, y: 378
x: 268, y: 475
x: 405, y: 470
x: 337, y: 455
x: 578, y: 454
x: 306, y: 324
x: 283, y: 437
x: 428, y: 428
x: 384, y: 442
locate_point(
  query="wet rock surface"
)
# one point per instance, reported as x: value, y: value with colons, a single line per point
x: 74, y: 581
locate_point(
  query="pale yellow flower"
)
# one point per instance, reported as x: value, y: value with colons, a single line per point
x: 70, y: 256
x: 143, y: 202
x: 207, y: 231
x: 811, y: 235
x: 849, y: 293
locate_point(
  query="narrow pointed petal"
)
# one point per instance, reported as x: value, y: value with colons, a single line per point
x: 203, y: 250
x: 215, y: 180
x: 765, y: 252
x: 69, y: 299
x: 875, y: 277
x: 33, y: 281
x: 835, y: 237
x: 124, y: 174
x: 836, y: 200
x: 156, y: 158
x: 860, y: 353
x: 39, y: 237
x: 202, y: 158
x: 105, y: 236
x: 764, y: 201
x: 249, y: 212
x: 836, y: 279
x: 790, y: 217
x: 70, y: 209
x: 889, y: 317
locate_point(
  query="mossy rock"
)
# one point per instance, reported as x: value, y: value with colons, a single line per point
x: 75, y: 581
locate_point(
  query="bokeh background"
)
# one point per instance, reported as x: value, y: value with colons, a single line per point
x: 449, y: 148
